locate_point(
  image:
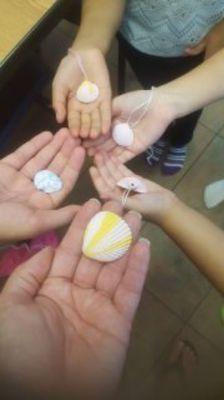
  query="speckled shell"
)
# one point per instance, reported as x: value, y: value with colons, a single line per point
x: 132, y: 183
x: 87, y: 92
x: 47, y: 181
x: 123, y: 134
x: 107, y: 237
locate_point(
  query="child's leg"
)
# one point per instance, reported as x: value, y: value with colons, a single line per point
x: 180, y: 134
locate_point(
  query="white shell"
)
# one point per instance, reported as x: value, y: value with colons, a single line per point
x: 107, y: 237
x: 87, y: 92
x: 214, y: 194
x: 47, y: 181
x: 132, y: 183
x: 123, y: 134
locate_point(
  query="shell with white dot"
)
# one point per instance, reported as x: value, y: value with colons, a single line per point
x: 132, y: 183
x: 107, y: 237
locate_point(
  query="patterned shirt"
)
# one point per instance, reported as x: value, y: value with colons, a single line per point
x: 166, y: 27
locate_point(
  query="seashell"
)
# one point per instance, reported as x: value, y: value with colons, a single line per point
x: 123, y: 134
x: 87, y: 92
x: 214, y: 194
x: 47, y: 181
x: 107, y: 237
x: 132, y: 183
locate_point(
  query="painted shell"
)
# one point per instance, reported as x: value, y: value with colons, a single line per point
x: 107, y: 237
x: 123, y: 134
x: 87, y: 92
x: 133, y: 184
x: 47, y: 181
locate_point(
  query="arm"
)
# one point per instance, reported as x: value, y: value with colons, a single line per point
x: 199, y: 238
x: 99, y: 22
x: 196, y: 89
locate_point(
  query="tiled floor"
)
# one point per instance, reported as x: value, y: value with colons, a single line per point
x: 178, y: 302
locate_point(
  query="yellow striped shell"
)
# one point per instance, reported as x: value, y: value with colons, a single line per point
x: 107, y: 237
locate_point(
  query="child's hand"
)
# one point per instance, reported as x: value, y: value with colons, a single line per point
x: 84, y: 120
x: 25, y: 211
x: 211, y: 43
x: 154, y: 205
x: 149, y: 129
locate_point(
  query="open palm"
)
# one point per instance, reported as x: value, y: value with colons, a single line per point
x: 74, y: 314
x: 108, y: 171
x: 84, y: 120
x: 150, y: 128
x: 21, y: 205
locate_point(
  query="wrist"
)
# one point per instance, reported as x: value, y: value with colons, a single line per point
x: 173, y: 215
x: 164, y: 103
x: 172, y: 100
x: 83, y: 42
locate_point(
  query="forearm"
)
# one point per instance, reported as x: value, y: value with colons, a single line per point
x: 196, y: 89
x: 200, y: 239
x: 99, y: 22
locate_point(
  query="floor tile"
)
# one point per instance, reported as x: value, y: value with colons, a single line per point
x: 154, y: 327
x: 172, y: 277
x: 221, y: 133
x: 202, y: 138
x: 202, y: 381
x: 54, y: 47
x: 207, y: 319
x: 208, y: 169
x: 212, y: 116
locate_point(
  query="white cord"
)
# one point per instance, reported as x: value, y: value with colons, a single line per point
x: 125, y: 197
x: 144, y: 105
x: 79, y: 61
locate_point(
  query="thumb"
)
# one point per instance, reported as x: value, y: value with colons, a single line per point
x: 45, y: 220
x: 59, y: 96
x: 117, y: 106
x: 29, y: 276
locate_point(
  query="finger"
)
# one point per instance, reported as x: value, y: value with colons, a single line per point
x: 129, y: 290
x: 95, y: 125
x: 59, y: 97
x: 69, y: 175
x: 28, y: 278
x: 193, y: 51
x: 85, y: 125
x: 88, y: 143
x: 104, y: 172
x: 101, y: 186
x: 116, y: 107
x: 24, y: 153
x: 88, y: 270
x: 111, y: 274
x: 45, y: 156
x: 105, y: 110
x: 60, y: 160
x: 46, y: 220
x: 70, y: 249
x: 74, y: 119
x: 123, y: 155
x: 117, y: 170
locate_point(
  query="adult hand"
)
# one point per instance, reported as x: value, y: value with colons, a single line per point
x: 154, y: 205
x: 65, y: 320
x: 211, y: 43
x: 25, y: 211
x: 84, y: 120
x: 149, y: 129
